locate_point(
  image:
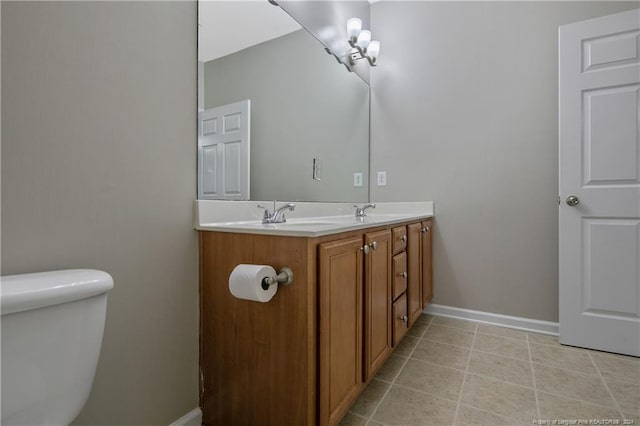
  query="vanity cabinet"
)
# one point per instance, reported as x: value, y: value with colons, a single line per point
x: 304, y: 357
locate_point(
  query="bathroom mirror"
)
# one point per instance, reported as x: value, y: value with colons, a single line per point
x: 303, y: 135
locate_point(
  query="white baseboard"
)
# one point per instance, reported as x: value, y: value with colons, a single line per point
x: 192, y: 418
x: 519, y: 323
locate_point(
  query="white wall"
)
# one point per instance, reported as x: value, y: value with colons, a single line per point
x: 464, y: 112
x: 99, y: 171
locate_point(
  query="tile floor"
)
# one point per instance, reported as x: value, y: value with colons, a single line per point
x: 455, y: 372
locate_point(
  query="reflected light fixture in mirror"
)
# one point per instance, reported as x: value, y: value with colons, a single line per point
x: 362, y: 45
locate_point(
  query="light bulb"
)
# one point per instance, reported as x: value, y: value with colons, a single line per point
x: 354, y: 25
x: 364, y: 38
x: 374, y: 49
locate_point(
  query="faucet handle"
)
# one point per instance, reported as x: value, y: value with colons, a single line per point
x: 266, y: 211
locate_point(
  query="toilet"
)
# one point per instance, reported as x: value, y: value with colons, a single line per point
x: 52, y: 325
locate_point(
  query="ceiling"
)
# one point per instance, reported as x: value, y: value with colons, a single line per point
x: 226, y: 27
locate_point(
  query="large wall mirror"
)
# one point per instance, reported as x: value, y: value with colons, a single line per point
x: 279, y: 118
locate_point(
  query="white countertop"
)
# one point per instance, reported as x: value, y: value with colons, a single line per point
x: 308, y: 220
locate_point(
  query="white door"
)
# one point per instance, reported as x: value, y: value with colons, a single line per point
x: 223, y: 152
x: 600, y: 167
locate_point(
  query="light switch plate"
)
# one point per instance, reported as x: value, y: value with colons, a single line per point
x: 357, y: 179
x: 382, y: 178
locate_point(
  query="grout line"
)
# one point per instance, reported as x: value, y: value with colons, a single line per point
x: 464, y: 377
x: 606, y: 386
x: 375, y: 410
x: 533, y: 377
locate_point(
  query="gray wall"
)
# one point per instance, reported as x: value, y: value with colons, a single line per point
x: 98, y: 171
x: 303, y: 105
x: 464, y: 112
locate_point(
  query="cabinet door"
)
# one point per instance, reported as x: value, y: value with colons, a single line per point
x: 378, y: 301
x: 414, y: 272
x: 340, y: 309
x: 427, y: 262
x: 400, y: 319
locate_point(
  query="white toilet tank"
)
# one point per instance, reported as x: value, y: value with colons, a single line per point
x: 52, y: 326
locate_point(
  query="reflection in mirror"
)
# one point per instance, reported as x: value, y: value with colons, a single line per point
x: 278, y: 117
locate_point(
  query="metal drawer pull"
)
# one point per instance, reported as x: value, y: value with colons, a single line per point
x: 366, y: 249
x: 374, y: 245
x: 404, y: 238
x: 425, y: 229
x: 403, y: 275
x: 404, y: 318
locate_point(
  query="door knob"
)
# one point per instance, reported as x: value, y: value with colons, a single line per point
x: 374, y: 245
x: 365, y: 249
x: 403, y: 238
x: 403, y: 274
x: 572, y: 200
x: 425, y: 229
x: 404, y: 318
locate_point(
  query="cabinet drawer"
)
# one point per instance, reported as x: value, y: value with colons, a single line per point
x: 400, y: 319
x: 399, y: 239
x: 399, y: 273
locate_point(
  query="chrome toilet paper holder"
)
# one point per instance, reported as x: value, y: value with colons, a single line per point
x: 284, y: 277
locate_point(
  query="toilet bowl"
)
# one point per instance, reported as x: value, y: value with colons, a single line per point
x: 52, y: 325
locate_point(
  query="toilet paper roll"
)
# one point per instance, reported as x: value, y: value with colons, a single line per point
x: 245, y: 282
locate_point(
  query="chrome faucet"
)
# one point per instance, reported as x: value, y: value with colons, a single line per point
x: 277, y: 215
x: 362, y: 211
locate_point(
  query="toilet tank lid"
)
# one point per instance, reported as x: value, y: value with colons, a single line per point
x: 31, y: 291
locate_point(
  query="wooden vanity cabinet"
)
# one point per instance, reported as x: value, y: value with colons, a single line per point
x: 304, y: 357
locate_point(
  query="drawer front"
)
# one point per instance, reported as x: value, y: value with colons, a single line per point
x: 399, y: 239
x: 400, y: 275
x: 400, y: 319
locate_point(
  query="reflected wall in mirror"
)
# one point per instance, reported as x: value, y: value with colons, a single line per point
x: 303, y: 135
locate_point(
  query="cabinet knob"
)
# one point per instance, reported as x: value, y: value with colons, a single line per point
x: 425, y: 229
x: 403, y: 274
x: 374, y: 245
x: 365, y: 249
x: 404, y: 318
x: 404, y: 238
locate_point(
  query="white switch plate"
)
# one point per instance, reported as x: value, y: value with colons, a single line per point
x: 382, y: 178
x: 357, y: 179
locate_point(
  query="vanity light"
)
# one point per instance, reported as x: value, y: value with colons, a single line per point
x: 361, y: 45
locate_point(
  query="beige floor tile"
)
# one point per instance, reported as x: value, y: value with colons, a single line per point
x: 501, y: 398
x: 561, y: 408
x: 572, y: 384
x: 453, y: 336
x: 406, y: 345
x: 501, y: 368
x: 634, y: 418
x: 372, y: 423
x: 618, y: 367
x: 391, y: 368
x: 368, y: 400
x: 560, y: 357
x: 351, y: 419
x: 442, y: 354
x: 421, y: 324
x: 431, y: 378
x: 502, y: 346
x: 626, y: 394
x: 543, y: 339
x: 501, y: 331
x: 402, y: 406
x: 469, y: 416
x: 455, y: 322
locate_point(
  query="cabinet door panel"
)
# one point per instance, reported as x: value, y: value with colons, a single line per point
x: 377, y: 302
x: 414, y: 270
x: 399, y: 274
x: 427, y: 263
x: 400, y: 319
x: 340, y: 308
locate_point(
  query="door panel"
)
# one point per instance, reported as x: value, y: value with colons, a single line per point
x: 223, y: 152
x: 427, y: 262
x: 377, y: 301
x: 414, y: 270
x: 400, y: 319
x: 600, y: 165
x: 340, y: 308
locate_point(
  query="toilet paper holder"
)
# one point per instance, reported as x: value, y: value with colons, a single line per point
x: 284, y: 277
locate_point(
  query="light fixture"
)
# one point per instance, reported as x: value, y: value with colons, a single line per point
x: 362, y: 47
